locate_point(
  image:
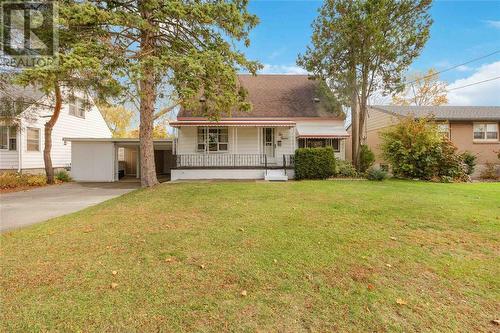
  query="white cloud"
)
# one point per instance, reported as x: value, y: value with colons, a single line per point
x: 494, y: 24
x: 487, y: 93
x: 282, y: 69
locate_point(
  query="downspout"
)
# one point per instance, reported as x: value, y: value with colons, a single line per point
x: 19, y: 147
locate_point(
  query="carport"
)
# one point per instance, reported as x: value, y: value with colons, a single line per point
x: 114, y: 159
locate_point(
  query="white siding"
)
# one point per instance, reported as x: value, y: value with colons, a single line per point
x: 247, y: 140
x: 92, y: 126
x: 93, y: 161
x: 336, y: 125
x: 186, y: 141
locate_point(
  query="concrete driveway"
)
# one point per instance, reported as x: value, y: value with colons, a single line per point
x: 20, y: 209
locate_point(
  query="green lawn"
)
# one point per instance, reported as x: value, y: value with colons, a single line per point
x: 311, y: 256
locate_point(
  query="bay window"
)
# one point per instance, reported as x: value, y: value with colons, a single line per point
x: 486, y: 131
x: 212, y: 139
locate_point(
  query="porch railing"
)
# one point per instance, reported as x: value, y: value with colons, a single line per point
x: 229, y: 161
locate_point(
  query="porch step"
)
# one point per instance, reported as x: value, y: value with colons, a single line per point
x: 276, y: 175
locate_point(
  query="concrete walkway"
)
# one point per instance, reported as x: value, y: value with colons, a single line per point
x: 19, y: 209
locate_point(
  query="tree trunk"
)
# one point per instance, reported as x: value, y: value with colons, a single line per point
x: 354, y: 120
x: 147, y: 87
x: 49, y: 170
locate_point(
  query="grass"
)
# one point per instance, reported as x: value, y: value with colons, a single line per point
x: 312, y: 256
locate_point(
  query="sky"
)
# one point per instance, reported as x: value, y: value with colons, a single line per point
x: 462, y: 31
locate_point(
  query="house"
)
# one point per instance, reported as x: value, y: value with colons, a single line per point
x: 470, y: 128
x: 287, y: 113
x: 22, y: 135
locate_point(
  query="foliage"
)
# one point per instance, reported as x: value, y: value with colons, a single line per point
x: 328, y: 99
x: 425, y: 89
x: 361, y: 47
x: 63, y: 176
x: 345, y: 169
x: 489, y: 171
x: 415, y: 149
x: 159, y: 132
x: 470, y: 161
x: 314, y: 163
x: 376, y: 174
x: 366, y: 158
x: 117, y: 118
x: 15, y: 179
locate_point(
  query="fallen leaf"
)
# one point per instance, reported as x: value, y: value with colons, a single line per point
x: 168, y: 259
x: 388, y: 265
x: 393, y: 238
x: 496, y: 321
x: 202, y: 266
x: 244, y: 293
x: 371, y: 287
x: 241, y: 229
x: 275, y: 261
x: 114, y: 272
x: 114, y: 285
x: 401, y: 302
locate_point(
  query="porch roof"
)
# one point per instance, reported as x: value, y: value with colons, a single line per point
x: 234, y: 123
x: 311, y: 131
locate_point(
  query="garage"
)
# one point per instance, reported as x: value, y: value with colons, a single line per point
x: 115, y: 159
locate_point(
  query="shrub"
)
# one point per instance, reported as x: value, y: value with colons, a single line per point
x: 416, y: 149
x: 376, y: 174
x: 36, y: 180
x: 314, y: 163
x: 63, y: 176
x: 470, y: 161
x: 14, y: 179
x: 366, y: 158
x: 489, y: 171
x: 345, y: 169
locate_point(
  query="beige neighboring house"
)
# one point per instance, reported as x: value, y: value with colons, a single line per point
x: 470, y: 128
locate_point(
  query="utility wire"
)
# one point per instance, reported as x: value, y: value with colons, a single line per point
x: 473, y: 84
x: 453, y: 67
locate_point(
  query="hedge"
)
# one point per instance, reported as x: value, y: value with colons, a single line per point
x: 314, y: 163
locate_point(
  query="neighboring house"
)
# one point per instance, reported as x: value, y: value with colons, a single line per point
x: 22, y: 136
x: 470, y: 128
x: 287, y: 113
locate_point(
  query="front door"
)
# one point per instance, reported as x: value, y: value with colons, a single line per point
x: 268, y: 142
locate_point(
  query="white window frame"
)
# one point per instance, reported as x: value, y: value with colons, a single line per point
x: 39, y: 135
x: 9, y: 138
x: 206, y: 143
x: 78, y: 106
x: 485, y: 139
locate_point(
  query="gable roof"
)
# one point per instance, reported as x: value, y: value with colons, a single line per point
x: 444, y: 112
x: 277, y: 96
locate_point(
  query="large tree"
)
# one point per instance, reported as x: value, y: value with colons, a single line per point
x: 422, y: 89
x: 80, y: 71
x: 177, y: 47
x: 363, y: 46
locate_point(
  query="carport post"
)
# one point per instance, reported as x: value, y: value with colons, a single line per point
x: 138, y: 163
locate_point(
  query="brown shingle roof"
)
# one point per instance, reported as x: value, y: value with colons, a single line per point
x: 444, y: 112
x: 278, y: 96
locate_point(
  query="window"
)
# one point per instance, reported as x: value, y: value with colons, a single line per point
x: 212, y: 139
x: 317, y: 143
x: 8, y: 137
x: 485, y: 131
x: 33, y: 139
x: 77, y: 108
x: 444, y: 128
